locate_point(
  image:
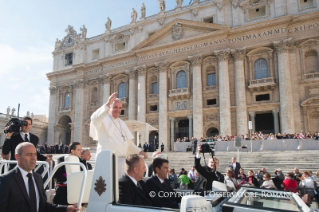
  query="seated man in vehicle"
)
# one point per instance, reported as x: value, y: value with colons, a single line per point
x: 210, y: 171
x: 132, y: 188
x: 61, y: 176
x: 159, y: 185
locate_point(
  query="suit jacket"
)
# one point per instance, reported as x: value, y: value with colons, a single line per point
x: 14, y: 196
x: 210, y: 176
x: 10, y: 145
x: 150, y: 170
x: 130, y: 194
x: 171, y: 199
x: 236, y: 171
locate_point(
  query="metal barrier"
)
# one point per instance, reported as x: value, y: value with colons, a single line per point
x: 83, y: 181
x: 4, y: 162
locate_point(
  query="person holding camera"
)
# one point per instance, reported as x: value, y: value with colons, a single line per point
x: 209, y: 171
x: 13, y: 140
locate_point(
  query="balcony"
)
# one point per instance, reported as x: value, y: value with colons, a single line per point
x: 311, y: 76
x: 265, y: 84
x: 181, y: 93
x: 153, y: 95
x: 124, y: 100
x: 211, y: 87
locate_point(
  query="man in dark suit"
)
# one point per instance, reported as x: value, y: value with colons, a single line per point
x: 85, y: 157
x: 132, y: 188
x: 12, y: 141
x: 236, y: 166
x: 194, y: 141
x: 150, y: 167
x: 210, y: 171
x: 21, y: 189
x: 164, y: 195
x: 155, y: 143
x: 145, y: 147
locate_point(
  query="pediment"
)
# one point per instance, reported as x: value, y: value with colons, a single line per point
x: 314, y: 101
x: 179, y: 30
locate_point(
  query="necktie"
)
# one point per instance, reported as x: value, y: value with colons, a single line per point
x: 139, y: 185
x: 26, y: 138
x: 32, y: 194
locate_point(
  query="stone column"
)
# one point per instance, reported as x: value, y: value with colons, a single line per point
x: 190, y: 133
x: 172, y: 133
x: 106, y: 88
x: 252, y: 115
x: 132, y: 96
x: 162, y: 104
x: 276, y: 124
x: 78, y: 112
x: 285, y: 88
x: 196, y: 61
x: 52, y: 116
x: 240, y: 90
x: 224, y: 95
x: 141, y: 98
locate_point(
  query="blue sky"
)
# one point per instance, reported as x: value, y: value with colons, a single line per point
x: 28, y: 30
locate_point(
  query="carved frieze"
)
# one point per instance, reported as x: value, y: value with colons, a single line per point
x: 212, y: 117
x: 181, y: 105
x: 161, y: 21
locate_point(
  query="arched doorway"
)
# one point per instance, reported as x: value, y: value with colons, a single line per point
x: 212, y: 132
x: 65, y: 130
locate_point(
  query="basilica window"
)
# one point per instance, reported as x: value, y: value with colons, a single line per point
x: 311, y: 61
x: 122, y: 90
x: 154, y: 87
x: 208, y: 20
x: 261, y: 69
x: 181, y: 80
x: 211, y: 79
x: 95, y: 54
x: 67, y: 100
x: 257, y: 12
x: 304, y: 4
x: 68, y: 59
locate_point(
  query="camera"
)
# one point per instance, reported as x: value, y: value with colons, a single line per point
x: 208, y: 148
x: 14, y: 125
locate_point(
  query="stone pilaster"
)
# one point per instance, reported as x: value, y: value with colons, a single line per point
x: 132, y: 96
x: 276, y: 123
x: 224, y: 95
x: 285, y: 88
x: 196, y: 61
x: 106, y: 88
x: 241, y: 107
x: 141, y: 97
x: 172, y: 133
x: 78, y: 112
x: 52, y: 116
x: 162, y: 119
x: 190, y: 133
x: 252, y: 115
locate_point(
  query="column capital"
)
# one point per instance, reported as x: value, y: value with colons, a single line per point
x: 141, y: 70
x: 79, y: 83
x: 252, y: 113
x: 238, y: 54
x: 190, y: 117
x: 52, y: 89
x: 162, y: 66
x: 275, y: 111
x: 171, y: 118
x: 196, y: 60
x: 222, y: 55
x: 106, y: 79
x: 131, y: 73
x: 284, y: 46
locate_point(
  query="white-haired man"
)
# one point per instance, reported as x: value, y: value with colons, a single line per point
x: 111, y: 132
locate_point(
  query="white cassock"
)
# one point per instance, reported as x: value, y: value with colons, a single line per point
x: 112, y: 134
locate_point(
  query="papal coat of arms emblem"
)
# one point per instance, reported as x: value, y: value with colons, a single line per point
x: 177, y: 31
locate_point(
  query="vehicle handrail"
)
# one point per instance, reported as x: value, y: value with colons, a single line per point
x: 3, y: 162
x: 83, y: 181
x: 146, y: 167
x: 51, y: 164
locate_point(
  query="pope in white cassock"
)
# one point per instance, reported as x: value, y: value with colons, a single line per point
x: 111, y: 132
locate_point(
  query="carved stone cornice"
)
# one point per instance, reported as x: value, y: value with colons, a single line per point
x: 285, y: 45
x: 239, y: 54
x: 162, y: 66
x: 196, y: 60
x: 222, y: 55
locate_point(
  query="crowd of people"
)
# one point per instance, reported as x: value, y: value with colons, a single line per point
x: 254, y: 136
x: 53, y: 149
